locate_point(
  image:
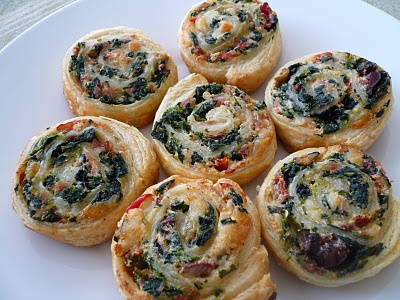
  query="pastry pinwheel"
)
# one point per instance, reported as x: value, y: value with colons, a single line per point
x: 119, y: 73
x: 233, y: 42
x: 329, y: 98
x: 191, y: 239
x: 329, y: 215
x: 211, y: 130
x: 74, y: 180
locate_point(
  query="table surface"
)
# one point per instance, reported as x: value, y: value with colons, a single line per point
x: 18, y: 15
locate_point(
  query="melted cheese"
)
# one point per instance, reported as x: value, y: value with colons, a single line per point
x: 65, y: 174
x: 327, y: 205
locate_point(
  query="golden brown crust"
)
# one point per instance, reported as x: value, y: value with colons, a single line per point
x: 126, y: 81
x: 240, y: 47
x: 356, y: 112
x: 74, y: 180
x: 328, y: 215
x: 213, y: 131
x: 204, y: 238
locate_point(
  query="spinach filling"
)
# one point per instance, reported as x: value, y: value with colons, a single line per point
x: 77, y: 66
x: 195, y: 158
x: 179, y: 205
x: 383, y: 109
x: 194, y: 39
x: 213, y: 88
x: 222, y: 273
x: 303, y: 191
x: 237, y: 200
x: 138, y: 65
x: 329, y: 120
x: 337, y: 116
x: 175, y: 253
x: 140, y: 267
x: 200, y: 113
x: 358, y: 192
x: 162, y: 187
x: 242, y: 15
x: 289, y: 171
x: 261, y: 18
x: 177, y: 119
x: 358, y: 188
x: 63, y: 152
x: 134, y: 91
x: 218, y: 292
x: 210, y: 39
x: 137, y: 84
x: 206, y: 228
x: 161, y: 73
x: 332, y: 120
x: 216, y: 143
x: 227, y: 221
x: 108, y: 71
x: 338, y: 254
x: 169, y: 248
x: 38, y: 150
x: 202, y: 8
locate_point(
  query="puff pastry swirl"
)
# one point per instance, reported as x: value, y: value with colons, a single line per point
x: 74, y: 180
x: 329, y: 215
x: 234, y: 42
x: 209, y: 130
x: 119, y: 73
x: 329, y: 98
x: 191, y: 239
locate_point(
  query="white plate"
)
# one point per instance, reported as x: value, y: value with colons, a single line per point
x: 35, y: 267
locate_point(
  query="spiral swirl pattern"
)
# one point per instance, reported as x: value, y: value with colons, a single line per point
x: 79, y: 173
x: 216, y: 35
x: 213, y: 131
x: 118, y: 69
x: 191, y: 239
x: 329, y: 213
x: 329, y: 98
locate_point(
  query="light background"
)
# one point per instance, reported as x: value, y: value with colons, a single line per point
x: 18, y: 15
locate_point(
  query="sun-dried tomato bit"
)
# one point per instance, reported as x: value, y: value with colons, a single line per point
x: 66, y: 126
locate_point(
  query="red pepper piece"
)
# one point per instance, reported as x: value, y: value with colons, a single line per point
x: 139, y: 201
